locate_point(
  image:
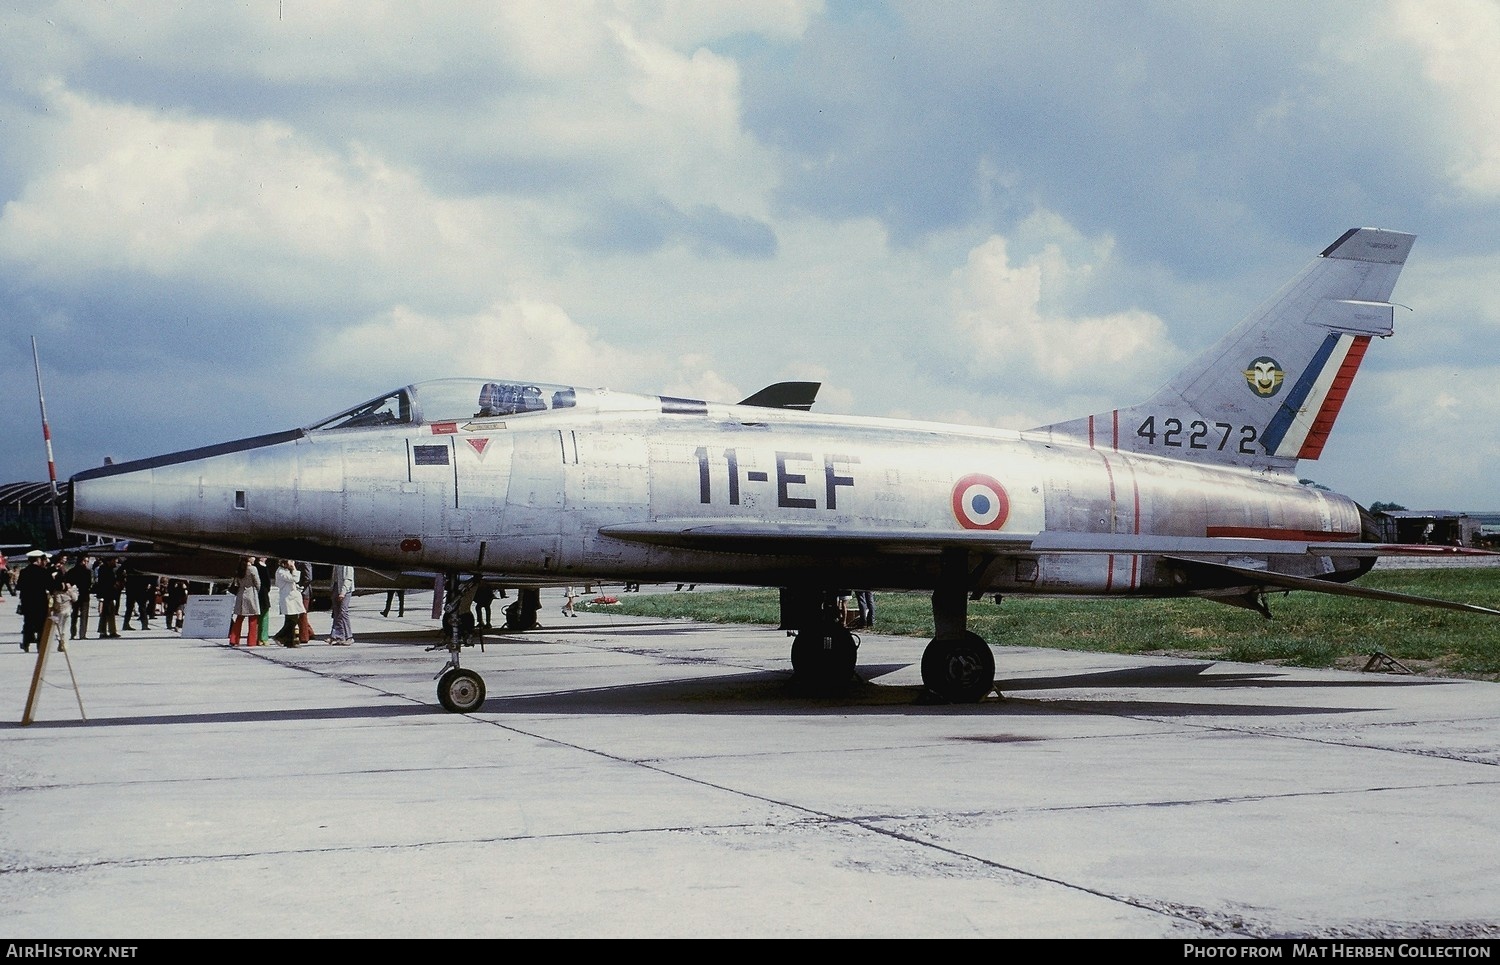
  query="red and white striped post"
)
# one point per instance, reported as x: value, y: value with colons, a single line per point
x: 47, y: 438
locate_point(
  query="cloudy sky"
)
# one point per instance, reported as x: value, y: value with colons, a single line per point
x: 226, y: 218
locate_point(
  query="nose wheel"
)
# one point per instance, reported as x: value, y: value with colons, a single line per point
x: 460, y: 691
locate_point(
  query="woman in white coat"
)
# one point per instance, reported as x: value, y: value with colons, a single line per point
x: 292, y: 607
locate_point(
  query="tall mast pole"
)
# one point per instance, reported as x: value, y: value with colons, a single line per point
x: 47, y: 438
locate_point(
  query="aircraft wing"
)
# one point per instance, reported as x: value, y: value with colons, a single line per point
x: 812, y: 538
x: 818, y: 539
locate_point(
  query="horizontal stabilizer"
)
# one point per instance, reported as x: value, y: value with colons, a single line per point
x: 1138, y: 544
x: 1283, y: 581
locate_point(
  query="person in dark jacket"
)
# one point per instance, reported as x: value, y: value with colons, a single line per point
x: 176, y: 603
x: 107, y: 588
x: 34, y: 586
x: 140, y: 590
x: 484, y: 600
x: 81, y: 575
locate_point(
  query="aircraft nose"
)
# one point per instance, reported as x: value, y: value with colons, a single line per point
x: 185, y: 494
x: 112, y: 501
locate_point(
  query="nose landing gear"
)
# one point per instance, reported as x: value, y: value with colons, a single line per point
x: 460, y: 691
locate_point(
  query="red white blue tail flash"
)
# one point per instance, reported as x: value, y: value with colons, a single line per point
x: 1301, y: 427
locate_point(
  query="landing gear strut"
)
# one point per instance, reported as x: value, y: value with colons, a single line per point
x: 958, y: 666
x: 460, y: 691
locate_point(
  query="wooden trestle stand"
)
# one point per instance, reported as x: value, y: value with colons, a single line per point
x: 38, y: 674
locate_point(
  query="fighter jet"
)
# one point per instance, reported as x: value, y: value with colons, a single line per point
x: 1192, y: 492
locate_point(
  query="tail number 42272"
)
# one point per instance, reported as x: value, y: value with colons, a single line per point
x: 1197, y: 434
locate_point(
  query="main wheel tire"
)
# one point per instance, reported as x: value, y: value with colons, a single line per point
x: 824, y: 658
x: 960, y: 670
x: 461, y: 691
x: 517, y: 617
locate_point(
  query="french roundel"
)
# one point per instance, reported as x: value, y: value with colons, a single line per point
x: 979, y: 502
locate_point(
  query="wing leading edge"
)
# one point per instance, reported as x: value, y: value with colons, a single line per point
x: 1196, y: 554
x: 805, y: 538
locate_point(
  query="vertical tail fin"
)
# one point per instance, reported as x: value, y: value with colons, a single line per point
x: 1267, y: 394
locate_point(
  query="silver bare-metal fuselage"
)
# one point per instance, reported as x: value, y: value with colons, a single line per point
x: 532, y: 496
x: 1190, y: 492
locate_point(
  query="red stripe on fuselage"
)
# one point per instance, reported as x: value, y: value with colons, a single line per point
x: 1114, y: 431
x: 1109, y: 572
x: 1135, y: 561
x: 1266, y: 532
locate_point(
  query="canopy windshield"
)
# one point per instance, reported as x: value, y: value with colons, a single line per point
x: 455, y: 400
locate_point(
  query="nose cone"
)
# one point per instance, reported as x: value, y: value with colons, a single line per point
x: 187, y: 497
x: 113, y: 501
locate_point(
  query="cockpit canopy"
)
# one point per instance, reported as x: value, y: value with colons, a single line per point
x: 456, y: 400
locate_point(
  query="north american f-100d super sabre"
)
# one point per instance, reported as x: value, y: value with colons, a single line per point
x: 1190, y: 493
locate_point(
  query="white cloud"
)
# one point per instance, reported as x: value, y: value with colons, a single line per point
x: 625, y: 95
x: 687, y: 122
x: 248, y: 206
x: 1011, y: 320
x: 692, y: 376
x: 1457, y: 40
x: 530, y: 339
x: 334, y: 41
x: 689, y: 23
x: 514, y: 339
x: 1455, y: 297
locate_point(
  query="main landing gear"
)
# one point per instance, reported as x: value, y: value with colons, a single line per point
x: 823, y: 649
x: 823, y: 657
x: 521, y: 615
x: 960, y: 670
x: 958, y: 666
